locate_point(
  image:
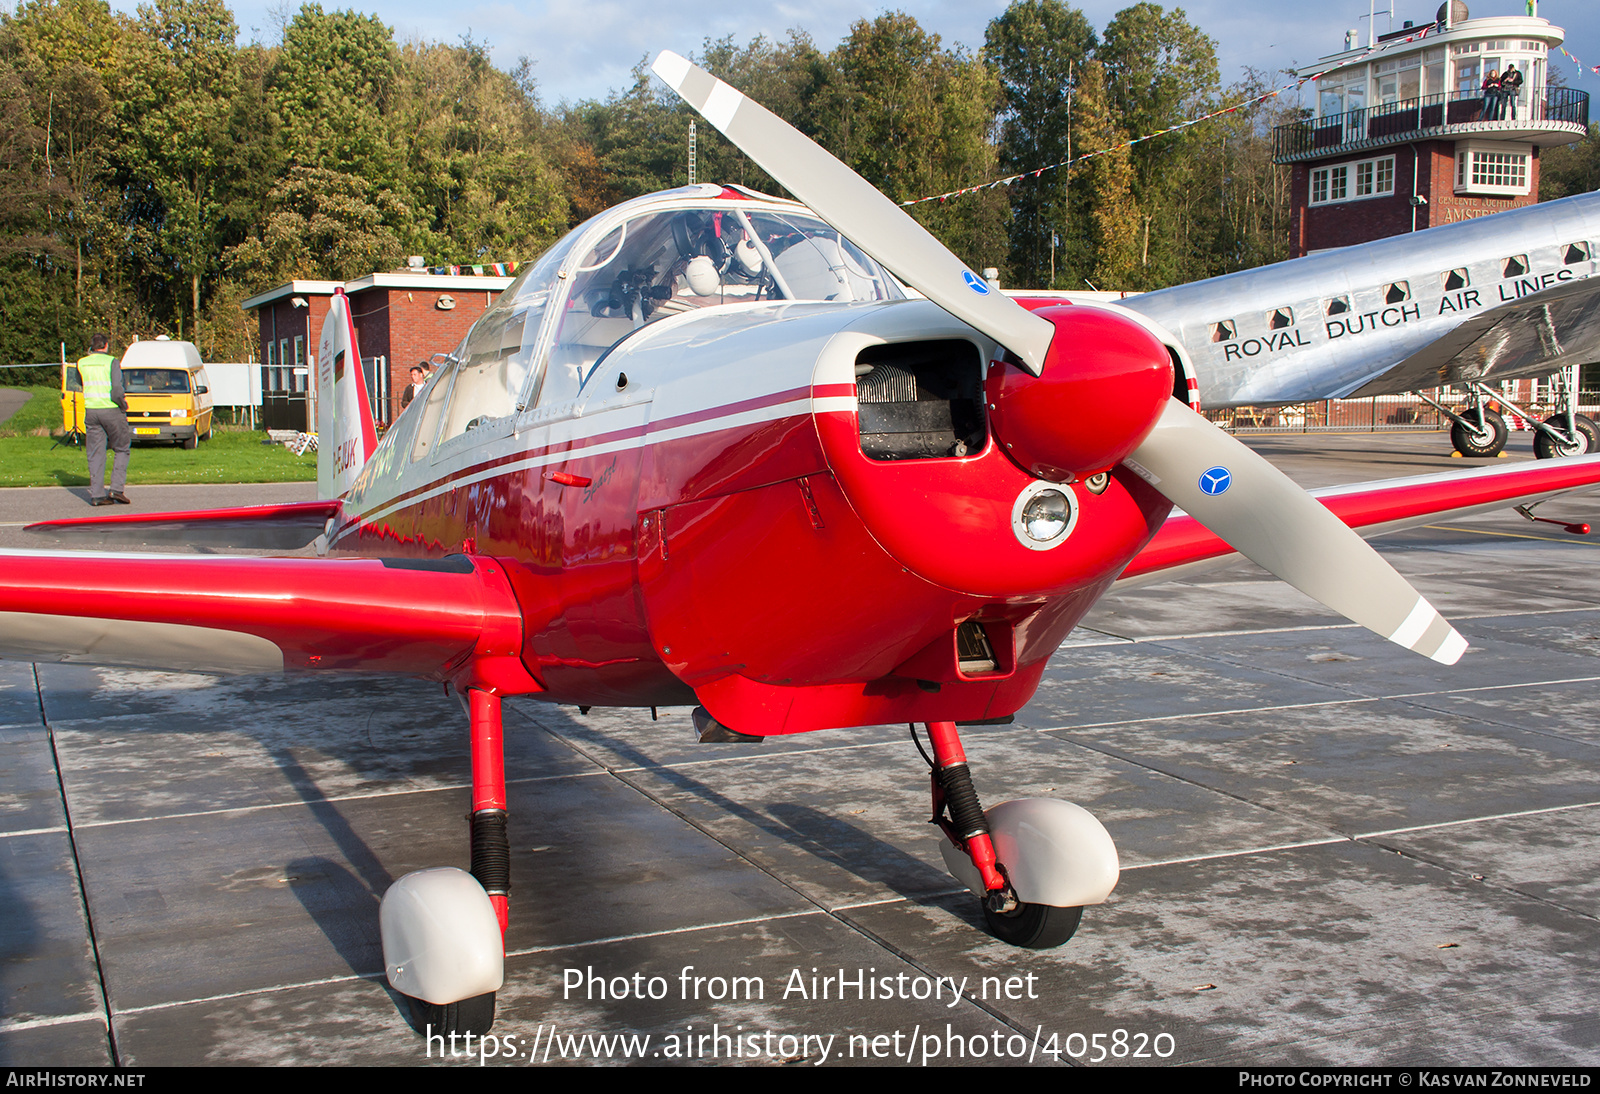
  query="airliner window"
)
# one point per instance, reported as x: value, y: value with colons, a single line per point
x: 1397, y: 292
x: 1281, y: 318
x: 1338, y: 305
x: 1223, y: 331
x: 1516, y: 266
x: 1456, y: 279
x: 1577, y: 252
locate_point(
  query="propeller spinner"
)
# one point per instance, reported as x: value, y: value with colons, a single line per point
x: 1090, y: 398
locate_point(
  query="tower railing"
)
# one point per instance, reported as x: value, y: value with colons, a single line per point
x: 1397, y: 119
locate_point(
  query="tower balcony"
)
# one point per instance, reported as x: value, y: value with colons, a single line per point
x: 1551, y: 116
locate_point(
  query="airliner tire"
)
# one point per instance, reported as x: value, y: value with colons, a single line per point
x: 1472, y: 440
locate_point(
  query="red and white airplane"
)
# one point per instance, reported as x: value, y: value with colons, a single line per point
x: 705, y: 452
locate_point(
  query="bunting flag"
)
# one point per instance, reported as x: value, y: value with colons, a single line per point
x: 1421, y: 33
x: 486, y: 269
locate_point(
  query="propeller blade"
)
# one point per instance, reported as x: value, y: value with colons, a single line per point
x: 1263, y: 515
x: 852, y: 205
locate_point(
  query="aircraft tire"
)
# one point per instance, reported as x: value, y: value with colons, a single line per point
x: 1034, y: 926
x: 1545, y: 448
x: 1486, y: 442
x: 474, y: 1015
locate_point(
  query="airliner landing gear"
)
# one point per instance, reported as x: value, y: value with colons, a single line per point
x: 444, y: 929
x: 1479, y: 432
x: 1566, y: 435
x: 1033, y: 863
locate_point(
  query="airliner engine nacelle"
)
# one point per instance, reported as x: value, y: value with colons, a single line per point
x: 1104, y: 385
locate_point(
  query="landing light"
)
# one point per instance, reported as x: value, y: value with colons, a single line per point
x: 1043, y: 516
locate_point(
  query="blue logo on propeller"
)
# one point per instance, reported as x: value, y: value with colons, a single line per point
x: 975, y: 283
x: 1215, y: 481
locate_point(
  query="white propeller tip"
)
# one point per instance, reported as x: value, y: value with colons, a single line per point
x: 671, y: 68
x: 1452, y: 648
x: 1427, y: 632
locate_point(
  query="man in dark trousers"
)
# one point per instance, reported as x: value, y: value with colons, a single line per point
x: 1510, y: 91
x: 105, y: 421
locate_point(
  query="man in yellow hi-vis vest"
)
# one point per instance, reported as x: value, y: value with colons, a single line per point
x: 105, y: 421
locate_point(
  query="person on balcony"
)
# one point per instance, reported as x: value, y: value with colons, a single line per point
x: 1510, y: 91
x: 1493, y: 98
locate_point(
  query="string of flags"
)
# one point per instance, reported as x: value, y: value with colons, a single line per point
x: 1421, y: 33
x: 485, y: 269
x: 1581, y: 66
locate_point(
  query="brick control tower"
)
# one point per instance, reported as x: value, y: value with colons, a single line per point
x: 1404, y: 137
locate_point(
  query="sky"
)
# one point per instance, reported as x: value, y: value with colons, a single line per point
x: 584, y: 49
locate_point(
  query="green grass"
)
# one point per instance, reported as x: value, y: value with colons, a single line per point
x: 233, y: 454
x: 43, y: 411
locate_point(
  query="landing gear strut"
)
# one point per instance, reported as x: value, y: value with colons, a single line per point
x: 1032, y: 863
x: 444, y: 929
x: 1479, y: 431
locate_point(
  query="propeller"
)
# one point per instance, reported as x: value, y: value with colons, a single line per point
x: 1219, y: 481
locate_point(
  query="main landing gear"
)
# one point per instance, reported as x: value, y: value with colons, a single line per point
x: 1480, y: 430
x: 1033, y: 863
x: 444, y: 929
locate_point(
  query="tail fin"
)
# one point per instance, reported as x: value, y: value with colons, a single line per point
x: 345, y: 434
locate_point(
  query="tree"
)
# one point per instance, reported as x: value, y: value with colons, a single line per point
x: 321, y: 225
x: 174, y: 90
x: 1037, y: 49
x: 332, y: 89
x: 914, y: 119
x: 1570, y: 168
x: 1160, y: 71
x: 482, y: 181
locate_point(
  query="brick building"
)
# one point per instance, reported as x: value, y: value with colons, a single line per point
x: 401, y: 318
x: 1404, y: 138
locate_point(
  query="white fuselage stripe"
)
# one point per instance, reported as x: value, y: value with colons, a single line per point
x: 569, y: 448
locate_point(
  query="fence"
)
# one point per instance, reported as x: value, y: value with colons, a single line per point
x: 1551, y: 104
x: 1378, y: 414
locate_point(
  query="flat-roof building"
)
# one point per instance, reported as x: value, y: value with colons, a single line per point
x: 401, y: 318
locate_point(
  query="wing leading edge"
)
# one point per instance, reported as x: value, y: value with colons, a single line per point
x: 453, y: 619
x: 1183, y: 545
x: 260, y: 527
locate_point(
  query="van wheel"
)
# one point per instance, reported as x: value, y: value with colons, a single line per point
x: 192, y: 442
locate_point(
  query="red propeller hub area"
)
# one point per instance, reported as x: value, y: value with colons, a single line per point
x: 1104, y: 385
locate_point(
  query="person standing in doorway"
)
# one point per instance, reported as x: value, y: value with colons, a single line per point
x: 1493, y: 102
x: 1510, y: 91
x: 105, y: 421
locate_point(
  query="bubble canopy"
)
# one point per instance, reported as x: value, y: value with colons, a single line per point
x: 666, y: 254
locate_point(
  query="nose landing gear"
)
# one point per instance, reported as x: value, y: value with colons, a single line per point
x: 1033, y: 863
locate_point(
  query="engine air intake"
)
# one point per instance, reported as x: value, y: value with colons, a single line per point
x: 921, y: 400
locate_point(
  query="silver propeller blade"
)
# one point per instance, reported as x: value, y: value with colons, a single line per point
x: 1263, y: 515
x: 852, y: 205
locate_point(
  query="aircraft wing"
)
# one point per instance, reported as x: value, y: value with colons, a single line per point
x: 454, y: 618
x: 264, y: 527
x: 1532, y: 336
x: 1183, y: 546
